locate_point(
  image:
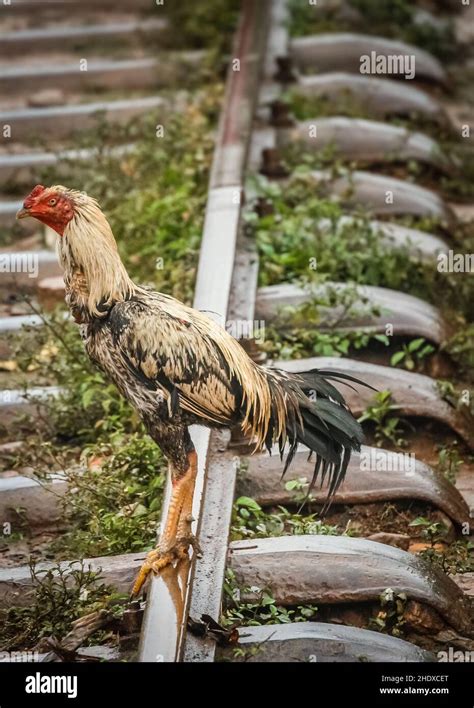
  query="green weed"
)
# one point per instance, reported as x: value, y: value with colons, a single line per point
x: 249, y: 520
x: 264, y: 610
x: 62, y: 594
x: 382, y: 413
x: 411, y: 355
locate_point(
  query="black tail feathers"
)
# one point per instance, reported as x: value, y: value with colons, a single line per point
x: 324, y: 424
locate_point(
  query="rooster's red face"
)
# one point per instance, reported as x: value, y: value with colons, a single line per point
x: 52, y: 207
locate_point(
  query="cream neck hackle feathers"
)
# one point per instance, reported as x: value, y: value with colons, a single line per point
x: 88, y: 253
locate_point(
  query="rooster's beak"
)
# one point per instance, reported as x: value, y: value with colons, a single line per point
x: 22, y: 213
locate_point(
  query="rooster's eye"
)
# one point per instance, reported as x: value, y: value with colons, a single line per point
x: 52, y: 202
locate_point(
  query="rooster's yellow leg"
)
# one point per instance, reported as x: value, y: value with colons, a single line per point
x: 184, y: 534
x: 176, y: 536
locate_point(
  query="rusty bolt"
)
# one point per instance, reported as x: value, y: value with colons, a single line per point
x: 280, y: 115
x: 271, y: 164
x: 285, y: 73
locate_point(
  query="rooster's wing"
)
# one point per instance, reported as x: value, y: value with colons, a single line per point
x: 184, y: 354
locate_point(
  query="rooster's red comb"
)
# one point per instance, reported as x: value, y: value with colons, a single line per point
x: 33, y: 194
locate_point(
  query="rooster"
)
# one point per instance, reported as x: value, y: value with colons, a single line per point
x: 177, y: 367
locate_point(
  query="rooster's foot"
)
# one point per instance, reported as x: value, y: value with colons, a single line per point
x: 186, y: 539
x: 159, y: 558
x: 184, y: 542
